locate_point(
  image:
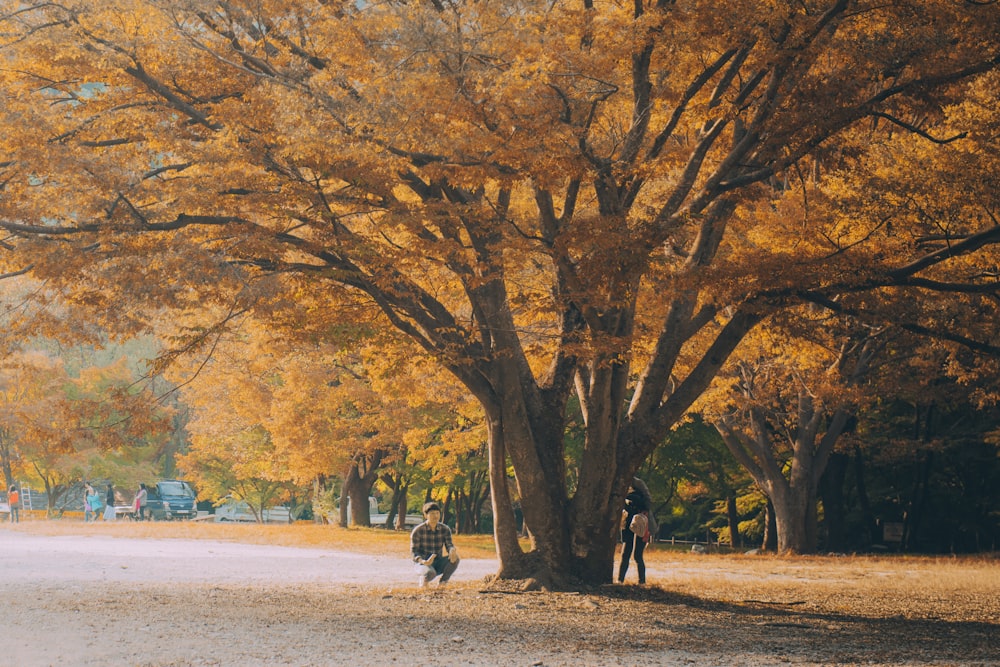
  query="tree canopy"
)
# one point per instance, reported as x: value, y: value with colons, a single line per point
x: 549, y: 197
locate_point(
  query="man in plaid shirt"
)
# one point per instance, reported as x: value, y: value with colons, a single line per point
x: 433, y: 551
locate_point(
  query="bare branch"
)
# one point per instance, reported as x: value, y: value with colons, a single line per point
x: 969, y: 244
x: 916, y: 130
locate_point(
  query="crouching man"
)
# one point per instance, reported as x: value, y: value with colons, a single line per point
x: 433, y: 551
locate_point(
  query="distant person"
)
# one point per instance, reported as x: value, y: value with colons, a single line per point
x: 14, y: 499
x: 638, y: 501
x: 109, y: 503
x: 96, y: 505
x: 140, y: 502
x: 89, y: 513
x: 434, y: 554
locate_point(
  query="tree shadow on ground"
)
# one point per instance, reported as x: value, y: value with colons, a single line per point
x: 798, y: 627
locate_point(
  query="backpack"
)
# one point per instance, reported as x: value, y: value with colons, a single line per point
x: 639, y: 524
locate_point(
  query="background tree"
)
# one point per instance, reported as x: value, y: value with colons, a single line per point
x: 56, y: 425
x: 446, y: 441
x: 232, y: 452
x: 28, y: 313
x: 791, y: 406
x: 240, y: 467
x: 923, y: 457
x: 30, y: 385
x: 690, y: 475
x: 860, y: 196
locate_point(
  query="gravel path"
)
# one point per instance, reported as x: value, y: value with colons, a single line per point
x: 96, y: 600
x: 99, y: 558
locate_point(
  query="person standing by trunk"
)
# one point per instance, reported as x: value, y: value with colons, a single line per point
x: 638, y: 501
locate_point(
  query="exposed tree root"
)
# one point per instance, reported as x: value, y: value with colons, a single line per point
x: 530, y: 573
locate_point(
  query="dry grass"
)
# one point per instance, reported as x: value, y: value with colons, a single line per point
x: 957, y: 589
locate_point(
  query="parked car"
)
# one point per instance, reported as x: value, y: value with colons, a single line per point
x: 171, y: 499
x: 377, y: 518
x: 237, y: 510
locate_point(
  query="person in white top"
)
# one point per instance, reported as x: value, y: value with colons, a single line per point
x: 140, y: 502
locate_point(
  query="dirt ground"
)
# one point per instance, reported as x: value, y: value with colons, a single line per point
x: 92, y: 599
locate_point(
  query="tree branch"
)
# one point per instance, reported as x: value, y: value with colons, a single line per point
x: 916, y: 130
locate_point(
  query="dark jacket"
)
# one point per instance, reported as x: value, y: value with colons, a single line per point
x: 635, y: 502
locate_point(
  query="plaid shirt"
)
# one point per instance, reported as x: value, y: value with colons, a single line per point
x: 425, y: 541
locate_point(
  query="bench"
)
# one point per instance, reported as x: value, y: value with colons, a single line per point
x: 126, y: 512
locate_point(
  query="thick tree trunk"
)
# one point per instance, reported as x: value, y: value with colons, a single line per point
x: 554, y: 560
x: 505, y: 532
x: 791, y: 518
x: 595, y: 541
x: 319, y: 486
x: 791, y: 486
x: 343, y: 518
x: 572, y: 537
x: 770, y: 541
x: 577, y: 538
x: 544, y: 510
x: 355, y: 510
x: 357, y: 488
x: 401, y: 502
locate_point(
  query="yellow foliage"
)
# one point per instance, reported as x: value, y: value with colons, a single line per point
x: 541, y: 196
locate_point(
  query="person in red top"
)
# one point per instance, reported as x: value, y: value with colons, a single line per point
x: 14, y: 499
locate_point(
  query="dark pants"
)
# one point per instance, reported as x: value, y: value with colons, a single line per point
x: 630, y: 541
x: 440, y: 566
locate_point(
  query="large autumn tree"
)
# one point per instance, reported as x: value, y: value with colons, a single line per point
x: 549, y: 197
